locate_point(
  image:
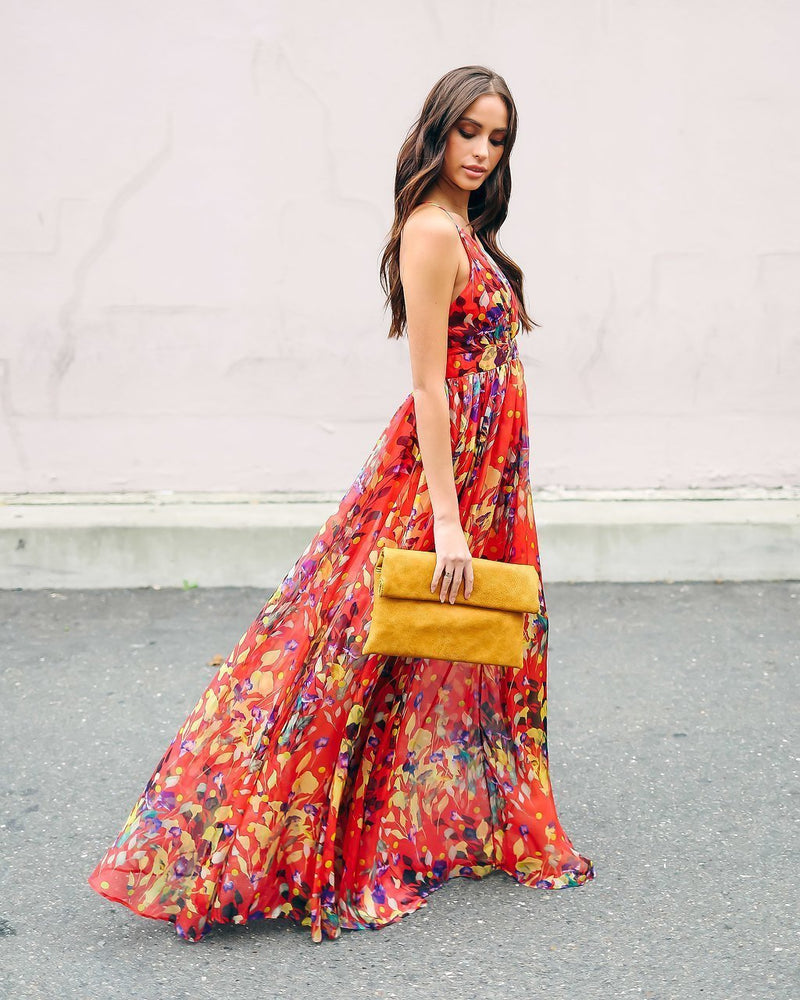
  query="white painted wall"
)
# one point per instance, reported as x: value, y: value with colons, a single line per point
x: 195, y: 196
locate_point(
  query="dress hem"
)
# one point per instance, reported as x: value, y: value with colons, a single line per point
x: 344, y: 923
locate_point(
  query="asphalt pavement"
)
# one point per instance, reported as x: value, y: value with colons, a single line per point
x: 673, y: 721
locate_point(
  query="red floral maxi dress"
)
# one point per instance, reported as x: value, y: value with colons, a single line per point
x: 340, y: 789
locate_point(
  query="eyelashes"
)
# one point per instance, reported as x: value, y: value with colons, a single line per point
x: 470, y: 135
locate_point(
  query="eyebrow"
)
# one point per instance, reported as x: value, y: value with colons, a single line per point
x: 464, y: 118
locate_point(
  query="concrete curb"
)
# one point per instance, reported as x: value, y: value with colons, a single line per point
x: 218, y: 540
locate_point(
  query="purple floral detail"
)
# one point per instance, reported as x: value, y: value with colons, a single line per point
x: 182, y: 866
x: 166, y: 800
x: 151, y: 823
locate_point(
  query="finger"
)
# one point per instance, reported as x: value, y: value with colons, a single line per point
x: 447, y: 576
x: 458, y: 575
x: 469, y: 578
x: 436, y: 575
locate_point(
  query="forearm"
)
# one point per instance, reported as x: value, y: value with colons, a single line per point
x: 433, y: 434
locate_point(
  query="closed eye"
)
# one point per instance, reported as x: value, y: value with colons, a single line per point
x: 471, y: 135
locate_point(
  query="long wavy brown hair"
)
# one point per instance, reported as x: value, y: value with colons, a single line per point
x: 418, y: 164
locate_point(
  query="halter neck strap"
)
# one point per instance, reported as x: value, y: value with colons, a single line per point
x: 455, y: 223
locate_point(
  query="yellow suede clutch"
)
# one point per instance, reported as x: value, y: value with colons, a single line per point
x: 409, y: 620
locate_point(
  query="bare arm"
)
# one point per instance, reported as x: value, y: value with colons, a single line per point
x: 429, y: 258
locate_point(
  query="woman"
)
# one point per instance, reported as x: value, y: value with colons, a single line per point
x: 340, y: 789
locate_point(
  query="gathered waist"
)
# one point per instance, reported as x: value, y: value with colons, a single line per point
x: 476, y: 362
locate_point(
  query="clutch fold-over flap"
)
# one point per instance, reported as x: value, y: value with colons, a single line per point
x: 407, y: 573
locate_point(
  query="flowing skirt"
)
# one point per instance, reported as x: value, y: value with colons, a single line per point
x: 337, y: 789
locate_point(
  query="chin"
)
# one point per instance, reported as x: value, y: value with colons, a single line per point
x: 471, y: 184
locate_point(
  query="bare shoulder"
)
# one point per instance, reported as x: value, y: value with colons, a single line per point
x: 429, y: 231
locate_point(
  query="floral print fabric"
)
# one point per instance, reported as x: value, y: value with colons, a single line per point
x: 337, y: 789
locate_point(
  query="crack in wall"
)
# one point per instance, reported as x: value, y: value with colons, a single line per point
x: 64, y: 354
x: 601, y: 333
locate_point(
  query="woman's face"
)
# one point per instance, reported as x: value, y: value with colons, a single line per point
x: 476, y: 141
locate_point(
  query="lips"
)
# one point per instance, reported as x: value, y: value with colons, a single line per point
x: 476, y: 171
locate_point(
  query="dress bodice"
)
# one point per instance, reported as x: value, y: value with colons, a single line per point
x: 484, y: 318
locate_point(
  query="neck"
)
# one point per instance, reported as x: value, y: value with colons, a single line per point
x: 452, y: 198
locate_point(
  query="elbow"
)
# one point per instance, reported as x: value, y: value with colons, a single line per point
x: 427, y: 390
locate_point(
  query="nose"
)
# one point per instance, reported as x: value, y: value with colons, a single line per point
x: 482, y: 150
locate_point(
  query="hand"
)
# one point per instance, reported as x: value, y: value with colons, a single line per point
x: 453, y: 560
